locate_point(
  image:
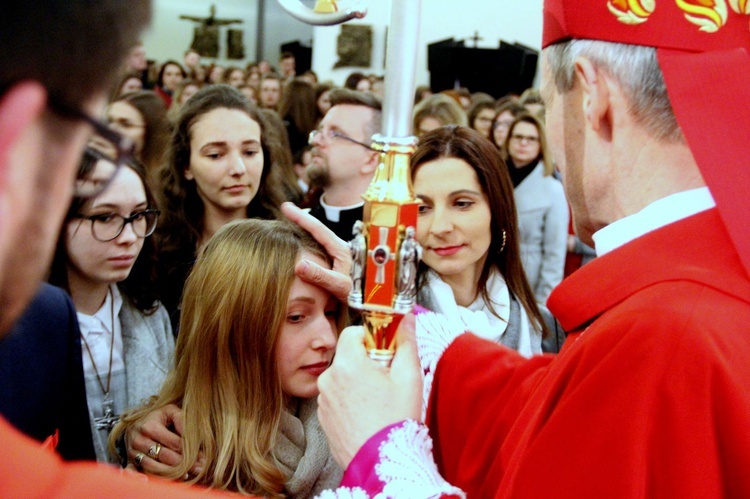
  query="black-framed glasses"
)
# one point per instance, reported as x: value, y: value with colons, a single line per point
x: 106, y: 152
x: 330, y: 134
x: 108, y: 226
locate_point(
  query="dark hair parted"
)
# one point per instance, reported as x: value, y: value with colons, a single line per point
x: 477, y: 108
x: 544, y: 151
x: 139, y: 287
x: 74, y: 48
x: 298, y: 105
x: 282, y: 174
x: 160, y: 78
x: 156, y: 134
x: 182, y: 207
x: 470, y: 146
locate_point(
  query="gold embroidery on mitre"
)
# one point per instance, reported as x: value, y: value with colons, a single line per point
x: 740, y: 6
x: 708, y: 15
x: 631, y: 11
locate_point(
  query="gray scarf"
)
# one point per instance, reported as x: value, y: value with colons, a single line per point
x: 302, y: 451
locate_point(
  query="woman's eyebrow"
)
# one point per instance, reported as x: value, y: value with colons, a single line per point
x: 304, y: 299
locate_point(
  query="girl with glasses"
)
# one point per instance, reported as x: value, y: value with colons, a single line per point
x: 504, y: 116
x: 542, y: 208
x: 104, y: 261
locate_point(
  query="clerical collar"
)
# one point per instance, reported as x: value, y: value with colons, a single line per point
x: 333, y: 213
x: 654, y: 216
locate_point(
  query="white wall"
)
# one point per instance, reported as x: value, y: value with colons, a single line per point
x: 510, y: 20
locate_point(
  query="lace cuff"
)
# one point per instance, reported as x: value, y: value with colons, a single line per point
x: 397, y: 463
x: 435, y: 333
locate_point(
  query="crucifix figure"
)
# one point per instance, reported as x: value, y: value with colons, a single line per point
x: 206, y: 34
x: 108, y: 420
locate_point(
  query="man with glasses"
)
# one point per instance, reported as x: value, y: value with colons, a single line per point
x: 343, y: 163
x: 65, y: 57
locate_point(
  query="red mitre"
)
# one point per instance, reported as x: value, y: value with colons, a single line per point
x: 703, y: 47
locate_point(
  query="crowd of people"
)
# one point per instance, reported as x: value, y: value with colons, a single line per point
x: 151, y: 261
x: 192, y: 308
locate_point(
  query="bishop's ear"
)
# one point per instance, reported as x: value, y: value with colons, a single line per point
x: 596, y: 95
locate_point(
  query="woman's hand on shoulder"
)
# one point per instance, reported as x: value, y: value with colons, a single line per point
x: 154, y: 444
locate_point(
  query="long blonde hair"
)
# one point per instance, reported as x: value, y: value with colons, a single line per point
x: 225, y: 376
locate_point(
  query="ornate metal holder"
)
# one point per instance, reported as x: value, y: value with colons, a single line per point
x: 384, y: 248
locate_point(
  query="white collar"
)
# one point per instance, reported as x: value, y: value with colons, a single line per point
x: 654, y: 216
x: 101, y: 320
x: 333, y: 213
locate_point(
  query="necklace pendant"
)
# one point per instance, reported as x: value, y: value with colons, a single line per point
x: 108, y: 420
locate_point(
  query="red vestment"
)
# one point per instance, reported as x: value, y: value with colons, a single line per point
x: 650, y: 396
x: 28, y: 470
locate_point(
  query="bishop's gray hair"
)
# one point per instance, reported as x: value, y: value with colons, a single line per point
x: 634, y: 67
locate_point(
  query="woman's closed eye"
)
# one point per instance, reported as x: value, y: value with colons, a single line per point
x: 295, y: 318
x: 332, y: 313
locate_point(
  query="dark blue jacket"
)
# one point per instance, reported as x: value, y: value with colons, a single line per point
x: 41, y: 375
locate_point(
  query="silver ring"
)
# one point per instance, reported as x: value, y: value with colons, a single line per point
x: 153, y: 451
x: 138, y: 458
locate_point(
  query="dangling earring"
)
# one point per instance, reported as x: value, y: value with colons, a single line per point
x: 502, y: 246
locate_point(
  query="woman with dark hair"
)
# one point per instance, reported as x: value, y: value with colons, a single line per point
x: 170, y: 76
x: 504, y: 116
x: 282, y: 174
x: 185, y: 90
x: 436, y: 111
x: 471, y: 265
x: 142, y: 117
x: 234, y: 76
x: 357, y: 81
x: 481, y: 115
x: 542, y: 208
x: 215, y: 74
x: 322, y: 100
x: 297, y: 109
x: 104, y: 260
x: 130, y: 82
x: 217, y: 171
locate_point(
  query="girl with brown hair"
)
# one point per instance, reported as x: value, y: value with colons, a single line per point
x: 217, y: 171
